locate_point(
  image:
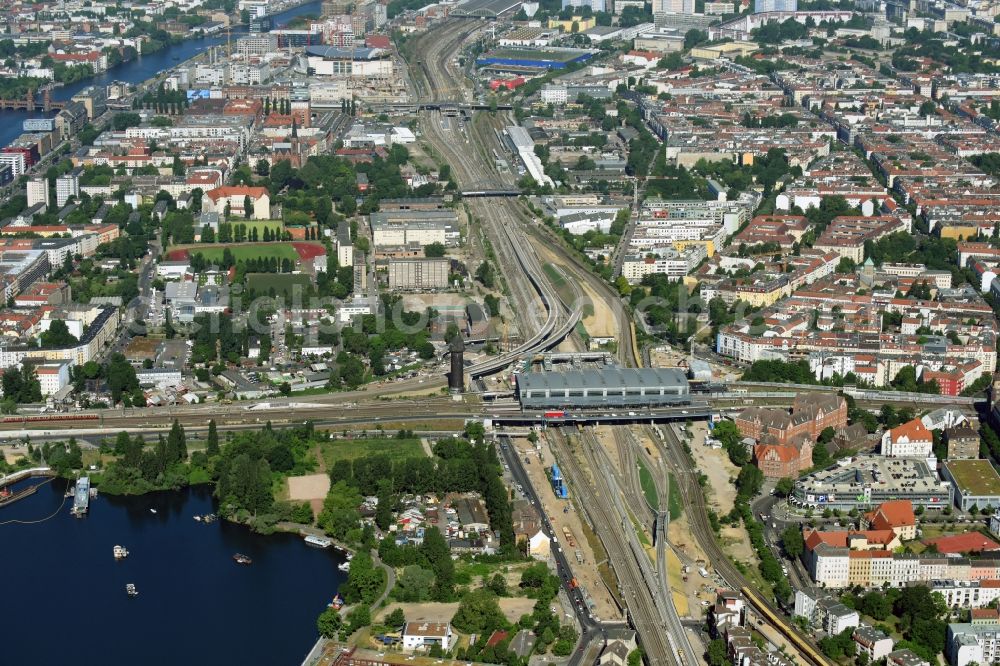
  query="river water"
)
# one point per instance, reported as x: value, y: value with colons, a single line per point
x: 65, y: 599
x: 140, y: 69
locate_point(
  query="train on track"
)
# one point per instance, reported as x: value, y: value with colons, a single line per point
x: 778, y: 623
x: 48, y: 418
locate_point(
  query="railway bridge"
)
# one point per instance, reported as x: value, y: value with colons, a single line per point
x: 30, y: 103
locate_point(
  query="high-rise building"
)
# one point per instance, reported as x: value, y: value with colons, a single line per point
x: 67, y: 185
x: 596, y: 5
x: 762, y: 6
x: 673, y: 6
x: 38, y: 192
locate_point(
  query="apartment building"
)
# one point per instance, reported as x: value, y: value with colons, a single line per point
x: 973, y: 644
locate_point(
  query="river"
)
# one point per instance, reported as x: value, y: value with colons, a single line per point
x: 65, y: 594
x: 141, y: 68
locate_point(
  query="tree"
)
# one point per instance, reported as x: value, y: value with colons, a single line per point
x: 434, y: 250
x: 749, y: 482
x: 396, y: 619
x: 438, y: 555
x: 717, y: 654
x: 247, y: 206
x: 792, y: 542
x: 414, y: 584
x: 329, y: 623
x: 212, y: 442
x: 784, y: 487
x: 479, y: 612
x: 498, y: 585
x: 364, y: 579
x: 176, y: 444
x: 263, y: 168
x: 694, y: 37
x: 58, y: 335
x: 21, y: 385
x: 485, y: 274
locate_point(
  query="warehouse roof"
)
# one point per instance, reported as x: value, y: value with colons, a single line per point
x: 975, y: 477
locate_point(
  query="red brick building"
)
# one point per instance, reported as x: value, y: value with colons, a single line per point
x: 778, y: 461
x: 811, y: 414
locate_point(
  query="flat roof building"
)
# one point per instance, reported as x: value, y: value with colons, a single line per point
x: 606, y: 387
x: 867, y: 481
x: 975, y: 482
x: 418, y: 273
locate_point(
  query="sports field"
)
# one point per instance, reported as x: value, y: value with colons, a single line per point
x: 244, y: 251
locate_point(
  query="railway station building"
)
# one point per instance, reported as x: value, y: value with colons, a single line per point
x: 603, y: 387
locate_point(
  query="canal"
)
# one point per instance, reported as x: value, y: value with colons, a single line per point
x: 65, y: 593
x: 142, y: 68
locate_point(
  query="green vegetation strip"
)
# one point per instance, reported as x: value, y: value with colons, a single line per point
x: 676, y: 503
x: 648, y: 486
x: 643, y: 539
x: 350, y: 449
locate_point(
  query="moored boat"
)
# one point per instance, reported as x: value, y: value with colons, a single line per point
x: 120, y: 552
x: 131, y: 590
x: 318, y: 541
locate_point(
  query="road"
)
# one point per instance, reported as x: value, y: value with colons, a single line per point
x: 591, y: 630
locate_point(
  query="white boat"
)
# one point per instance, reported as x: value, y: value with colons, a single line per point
x: 318, y: 541
x: 120, y: 552
x: 152, y: 510
x: 344, y: 566
x: 198, y: 518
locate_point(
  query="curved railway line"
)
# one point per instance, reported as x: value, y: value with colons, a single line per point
x: 694, y: 501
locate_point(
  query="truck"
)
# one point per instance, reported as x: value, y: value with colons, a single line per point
x: 573, y: 584
x: 703, y: 572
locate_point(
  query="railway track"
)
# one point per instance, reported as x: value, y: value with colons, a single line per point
x: 609, y: 527
x: 660, y: 587
x: 694, y: 501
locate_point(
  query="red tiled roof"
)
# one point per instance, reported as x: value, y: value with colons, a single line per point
x: 970, y: 542
x: 897, y: 513
x: 236, y: 190
x: 913, y: 430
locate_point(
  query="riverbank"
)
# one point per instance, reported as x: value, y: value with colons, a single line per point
x: 145, y: 67
x: 188, y: 584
